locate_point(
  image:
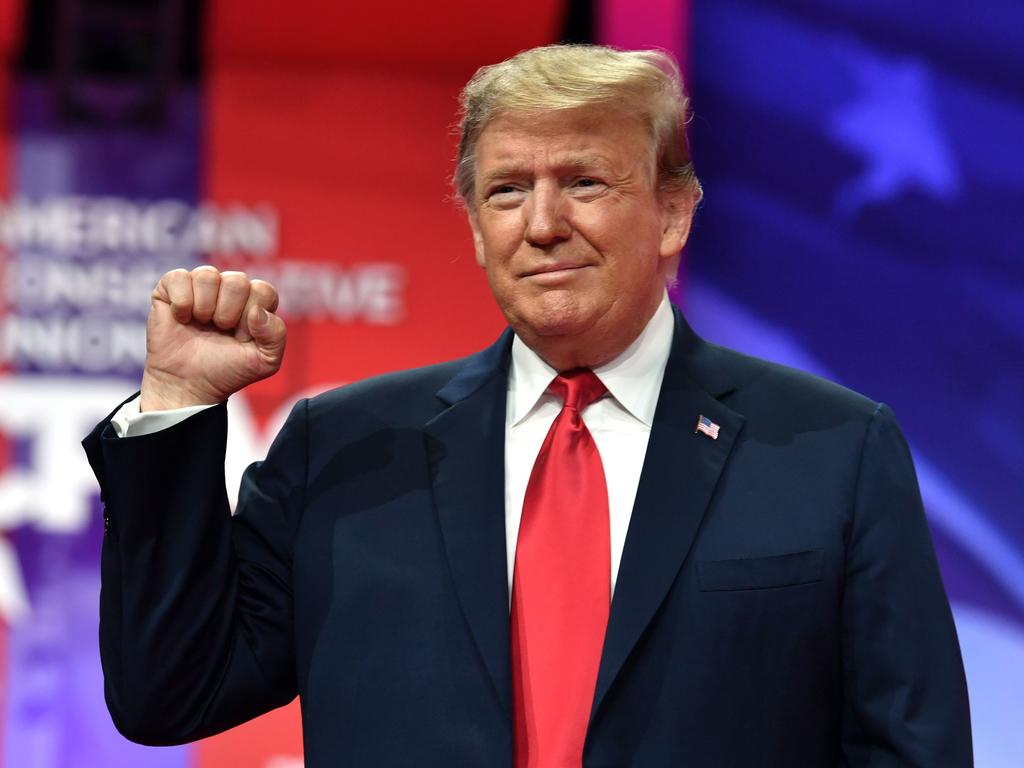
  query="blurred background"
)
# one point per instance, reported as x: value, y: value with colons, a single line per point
x: 863, y: 163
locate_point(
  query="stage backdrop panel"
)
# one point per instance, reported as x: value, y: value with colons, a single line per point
x: 864, y: 178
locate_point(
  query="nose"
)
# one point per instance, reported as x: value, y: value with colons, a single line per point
x: 546, y: 223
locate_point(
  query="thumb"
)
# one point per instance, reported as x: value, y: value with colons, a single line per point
x: 268, y: 332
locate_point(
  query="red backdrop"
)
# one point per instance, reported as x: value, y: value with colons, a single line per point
x: 339, y: 119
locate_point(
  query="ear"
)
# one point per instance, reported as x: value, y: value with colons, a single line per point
x: 677, y: 208
x: 478, y: 238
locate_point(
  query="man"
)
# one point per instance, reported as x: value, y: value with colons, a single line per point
x: 601, y: 541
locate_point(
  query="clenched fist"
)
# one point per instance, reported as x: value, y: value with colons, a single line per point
x: 209, y: 334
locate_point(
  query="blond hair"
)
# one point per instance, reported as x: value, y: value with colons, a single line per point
x: 555, y: 77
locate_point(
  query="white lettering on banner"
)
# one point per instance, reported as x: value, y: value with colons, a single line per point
x: 79, y: 332
x: 37, y: 282
x: 53, y: 491
x: 76, y: 286
x: 13, y: 598
x: 92, y: 225
x: 54, y: 414
x: 92, y: 344
x: 372, y: 292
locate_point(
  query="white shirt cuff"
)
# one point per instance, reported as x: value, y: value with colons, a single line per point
x: 130, y: 422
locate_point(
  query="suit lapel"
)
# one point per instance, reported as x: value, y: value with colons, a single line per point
x: 466, y: 454
x: 681, y: 469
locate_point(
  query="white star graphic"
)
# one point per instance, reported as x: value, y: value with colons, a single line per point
x: 893, y: 126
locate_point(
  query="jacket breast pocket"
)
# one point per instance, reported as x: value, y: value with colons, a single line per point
x: 761, y: 572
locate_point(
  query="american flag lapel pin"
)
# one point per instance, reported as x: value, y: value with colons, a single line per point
x: 707, y: 427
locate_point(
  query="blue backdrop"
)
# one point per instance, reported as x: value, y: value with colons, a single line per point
x: 863, y: 163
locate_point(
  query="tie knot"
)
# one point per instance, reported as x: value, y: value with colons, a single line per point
x: 577, y: 388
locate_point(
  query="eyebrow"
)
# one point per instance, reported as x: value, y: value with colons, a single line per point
x: 577, y: 163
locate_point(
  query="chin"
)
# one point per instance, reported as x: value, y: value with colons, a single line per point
x: 554, y: 322
x: 553, y: 313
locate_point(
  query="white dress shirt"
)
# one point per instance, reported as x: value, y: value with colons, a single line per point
x: 620, y: 423
x: 129, y: 421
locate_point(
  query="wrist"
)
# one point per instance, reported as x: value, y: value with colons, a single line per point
x: 161, y: 393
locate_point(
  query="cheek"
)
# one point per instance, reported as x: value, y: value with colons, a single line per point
x: 617, y: 224
x: 496, y: 248
x: 634, y: 262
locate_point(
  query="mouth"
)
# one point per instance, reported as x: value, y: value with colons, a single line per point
x: 551, y: 274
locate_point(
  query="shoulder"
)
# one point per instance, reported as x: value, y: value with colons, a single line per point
x: 798, y: 425
x: 416, y: 395
x: 756, y: 388
x: 401, y: 396
x: 787, y: 398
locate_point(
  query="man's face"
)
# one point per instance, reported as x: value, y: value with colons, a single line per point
x: 569, y: 225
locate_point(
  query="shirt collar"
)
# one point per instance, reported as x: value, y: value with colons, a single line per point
x: 633, y: 378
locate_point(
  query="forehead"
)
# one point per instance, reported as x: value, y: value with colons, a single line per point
x: 592, y: 134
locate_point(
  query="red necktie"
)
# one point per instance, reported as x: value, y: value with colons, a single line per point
x: 561, y: 586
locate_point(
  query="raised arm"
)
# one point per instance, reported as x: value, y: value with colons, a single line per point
x: 196, y: 606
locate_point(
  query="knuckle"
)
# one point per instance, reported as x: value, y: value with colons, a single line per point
x: 264, y: 291
x: 172, y: 277
x: 234, y: 283
x: 205, y: 275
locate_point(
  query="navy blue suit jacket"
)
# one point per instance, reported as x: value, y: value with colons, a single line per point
x: 777, y: 604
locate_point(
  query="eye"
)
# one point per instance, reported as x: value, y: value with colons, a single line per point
x: 587, y: 186
x: 502, y: 196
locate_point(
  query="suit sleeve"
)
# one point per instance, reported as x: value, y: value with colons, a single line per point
x: 904, y: 686
x: 196, y: 631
